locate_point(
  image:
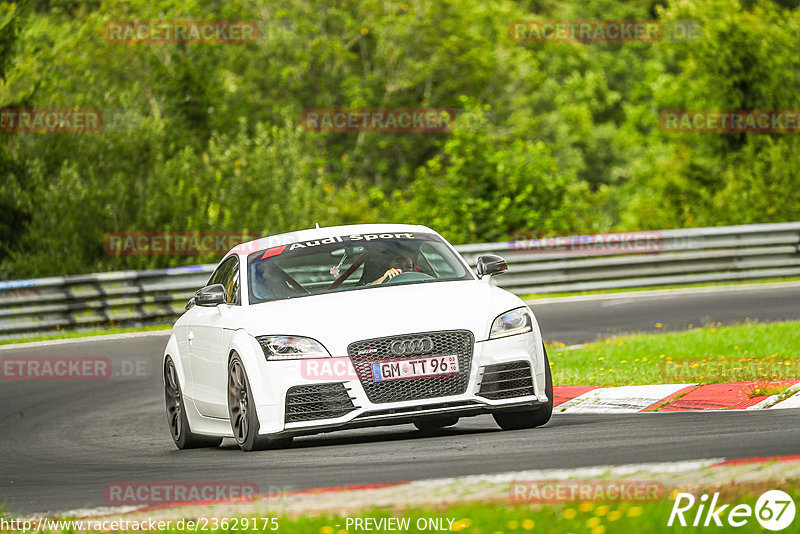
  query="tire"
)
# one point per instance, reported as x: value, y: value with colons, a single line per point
x: 538, y: 416
x: 435, y: 423
x: 177, y: 421
x: 242, y: 412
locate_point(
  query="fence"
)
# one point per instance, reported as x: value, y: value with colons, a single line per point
x: 575, y: 263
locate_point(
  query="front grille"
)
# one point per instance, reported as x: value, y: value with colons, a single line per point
x: 506, y: 380
x: 317, y: 401
x: 457, y: 343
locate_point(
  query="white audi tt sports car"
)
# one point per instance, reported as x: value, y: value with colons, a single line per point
x: 351, y: 326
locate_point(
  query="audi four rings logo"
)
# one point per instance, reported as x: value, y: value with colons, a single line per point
x: 419, y: 345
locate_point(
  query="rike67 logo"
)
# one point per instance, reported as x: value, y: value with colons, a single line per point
x: 774, y: 510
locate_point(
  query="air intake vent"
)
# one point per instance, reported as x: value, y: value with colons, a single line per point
x: 506, y: 380
x: 317, y: 401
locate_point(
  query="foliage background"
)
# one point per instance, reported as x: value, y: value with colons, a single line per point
x: 208, y: 137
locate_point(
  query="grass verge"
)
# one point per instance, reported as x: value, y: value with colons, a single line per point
x: 91, y: 333
x: 505, y: 518
x: 758, y: 352
x: 535, y: 296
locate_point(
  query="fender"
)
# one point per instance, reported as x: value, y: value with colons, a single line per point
x: 255, y: 365
x: 172, y: 350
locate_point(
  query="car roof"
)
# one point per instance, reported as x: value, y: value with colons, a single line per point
x: 323, y: 232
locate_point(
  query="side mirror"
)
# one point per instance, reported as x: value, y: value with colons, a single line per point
x: 489, y: 264
x: 211, y: 296
x: 189, y: 304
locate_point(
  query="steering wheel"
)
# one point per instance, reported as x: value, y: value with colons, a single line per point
x: 411, y: 276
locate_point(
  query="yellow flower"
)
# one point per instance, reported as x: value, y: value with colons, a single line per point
x: 614, y: 515
x: 599, y: 529
x: 602, y: 510
x: 592, y: 522
x: 461, y: 524
x: 634, y: 511
x: 528, y: 524
x: 569, y: 513
x: 586, y: 506
x: 513, y: 525
x: 364, y: 31
x: 326, y: 530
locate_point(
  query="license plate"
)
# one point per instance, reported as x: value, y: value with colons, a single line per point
x: 435, y: 366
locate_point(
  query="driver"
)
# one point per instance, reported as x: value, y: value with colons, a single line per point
x: 400, y: 263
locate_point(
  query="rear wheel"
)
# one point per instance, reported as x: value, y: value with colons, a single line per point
x: 435, y: 423
x: 182, y: 435
x: 533, y: 417
x: 242, y: 411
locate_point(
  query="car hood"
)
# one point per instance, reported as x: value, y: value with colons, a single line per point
x: 338, y: 319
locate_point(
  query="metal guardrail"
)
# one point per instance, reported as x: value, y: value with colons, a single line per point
x: 570, y: 263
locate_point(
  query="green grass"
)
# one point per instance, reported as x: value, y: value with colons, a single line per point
x: 68, y: 334
x: 502, y: 518
x: 535, y: 296
x: 505, y: 518
x: 758, y: 352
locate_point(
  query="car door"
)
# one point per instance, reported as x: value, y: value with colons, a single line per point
x: 207, y: 348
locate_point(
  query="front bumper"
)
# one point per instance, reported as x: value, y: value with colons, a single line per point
x: 281, y: 376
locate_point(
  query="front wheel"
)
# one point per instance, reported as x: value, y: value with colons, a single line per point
x: 242, y: 411
x: 533, y: 417
x: 182, y: 435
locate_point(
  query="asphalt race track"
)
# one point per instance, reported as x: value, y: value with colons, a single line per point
x: 64, y: 441
x: 607, y: 315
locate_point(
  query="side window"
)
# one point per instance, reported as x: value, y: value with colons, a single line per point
x: 227, y: 274
x: 439, y: 264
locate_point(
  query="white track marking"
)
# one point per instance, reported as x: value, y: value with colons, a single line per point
x: 791, y: 402
x: 661, y: 293
x: 87, y: 339
x: 777, y: 401
x: 622, y: 399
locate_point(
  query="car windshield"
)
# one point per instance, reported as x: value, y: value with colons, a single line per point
x: 356, y: 261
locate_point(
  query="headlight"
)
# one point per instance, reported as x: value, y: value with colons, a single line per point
x: 291, y: 348
x: 510, y: 323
